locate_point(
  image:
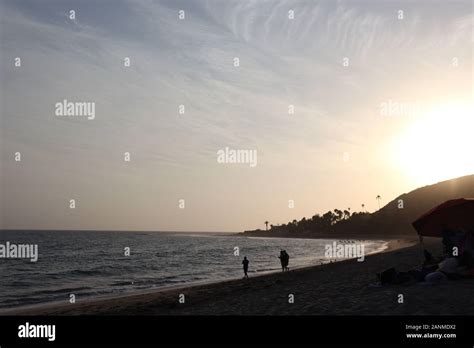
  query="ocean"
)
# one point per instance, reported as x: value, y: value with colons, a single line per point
x: 89, y: 264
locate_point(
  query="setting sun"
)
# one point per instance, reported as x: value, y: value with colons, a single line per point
x: 433, y: 147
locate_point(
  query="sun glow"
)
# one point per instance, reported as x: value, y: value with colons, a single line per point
x: 439, y: 145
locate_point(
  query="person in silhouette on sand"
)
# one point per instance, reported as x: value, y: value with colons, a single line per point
x: 245, y: 263
x: 284, y: 260
x: 287, y: 260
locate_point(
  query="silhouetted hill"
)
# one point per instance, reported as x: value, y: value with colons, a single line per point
x: 394, y: 219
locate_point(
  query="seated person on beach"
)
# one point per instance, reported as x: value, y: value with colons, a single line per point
x: 450, y: 268
x: 245, y: 263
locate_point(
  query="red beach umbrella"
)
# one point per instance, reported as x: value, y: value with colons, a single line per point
x: 455, y: 215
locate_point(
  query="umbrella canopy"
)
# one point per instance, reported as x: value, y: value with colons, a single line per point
x: 454, y: 215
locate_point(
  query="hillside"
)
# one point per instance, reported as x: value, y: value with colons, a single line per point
x: 390, y: 220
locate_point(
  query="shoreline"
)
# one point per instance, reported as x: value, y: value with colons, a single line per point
x: 65, y: 308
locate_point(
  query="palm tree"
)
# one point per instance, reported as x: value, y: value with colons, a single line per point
x: 378, y: 198
x: 266, y: 225
x: 338, y: 215
x: 363, y: 206
x: 347, y: 214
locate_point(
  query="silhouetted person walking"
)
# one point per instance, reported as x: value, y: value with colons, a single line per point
x: 287, y: 260
x: 284, y: 260
x: 245, y: 262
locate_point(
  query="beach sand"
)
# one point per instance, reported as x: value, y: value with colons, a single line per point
x: 340, y: 288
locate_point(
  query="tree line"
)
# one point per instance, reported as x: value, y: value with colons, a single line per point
x: 319, y: 223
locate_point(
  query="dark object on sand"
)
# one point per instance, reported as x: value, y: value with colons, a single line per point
x: 388, y: 277
x: 391, y: 276
x: 453, y: 215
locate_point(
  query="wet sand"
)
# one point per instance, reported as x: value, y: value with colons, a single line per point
x: 340, y: 288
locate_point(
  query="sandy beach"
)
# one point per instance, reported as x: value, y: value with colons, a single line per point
x: 340, y: 288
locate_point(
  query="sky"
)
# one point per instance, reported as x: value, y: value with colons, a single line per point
x: 381, y: 94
